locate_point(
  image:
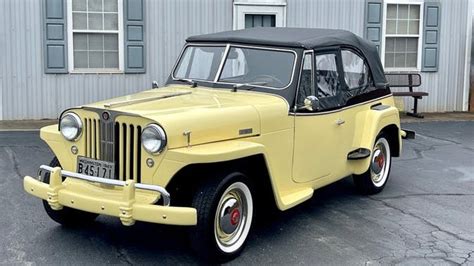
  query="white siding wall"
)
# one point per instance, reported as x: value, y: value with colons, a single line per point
x: 27, y: 93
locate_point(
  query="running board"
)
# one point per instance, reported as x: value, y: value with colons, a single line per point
x: 357, y: 154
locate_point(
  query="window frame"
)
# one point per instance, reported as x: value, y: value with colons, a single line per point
x: 419, y: 35
x: 300, y: 75
x: 120, y: 40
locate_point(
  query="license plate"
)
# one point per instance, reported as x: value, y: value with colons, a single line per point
x: 96, y: 168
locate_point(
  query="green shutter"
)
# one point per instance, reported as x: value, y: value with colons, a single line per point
x: 134, y: 28
x: 431, y: 25
x: 55, y: 42
x: 373, y: 22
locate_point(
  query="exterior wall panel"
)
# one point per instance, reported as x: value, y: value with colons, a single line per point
x: 26, y: 92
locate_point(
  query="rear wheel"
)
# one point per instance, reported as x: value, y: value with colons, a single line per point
x: 66, y: 216
x: 225, y: 212
x: 374, y: 180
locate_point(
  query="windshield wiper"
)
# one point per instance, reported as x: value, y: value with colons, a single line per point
x: 189, y: 81
x: 250, y: 85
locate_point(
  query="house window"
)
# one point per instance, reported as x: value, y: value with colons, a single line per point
x: 402, y: 36
x: 258, y: 13
x: 95, y: 33
x: 252, y: 21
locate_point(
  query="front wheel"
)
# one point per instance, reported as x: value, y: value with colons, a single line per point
x: 225, y: 212
x: 374, y: 180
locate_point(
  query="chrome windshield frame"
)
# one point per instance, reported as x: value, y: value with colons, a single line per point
x: 224, y: 58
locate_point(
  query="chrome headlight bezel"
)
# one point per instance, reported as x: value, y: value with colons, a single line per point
x: 158, y: 133
x: 77, y: 124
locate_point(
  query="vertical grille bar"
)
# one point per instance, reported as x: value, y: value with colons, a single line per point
x: 86, y: 135
x: 121, y: 161
x: 116, y: 149
x: 92, y: 125
x: 135, y: 151
x: 139, y: 154
x: 97, y: 139
x: 127, y: 152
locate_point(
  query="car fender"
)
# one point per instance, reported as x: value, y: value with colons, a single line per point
x: 176, y: 159
x: 61, y: 148
x: 368, y: 126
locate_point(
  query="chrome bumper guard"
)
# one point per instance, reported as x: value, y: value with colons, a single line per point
x: 164, y: 194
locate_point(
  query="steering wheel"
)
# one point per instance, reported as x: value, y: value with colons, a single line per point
x: 268, y: 78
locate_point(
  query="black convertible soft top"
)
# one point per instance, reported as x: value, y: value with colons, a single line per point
x: 306, y: 38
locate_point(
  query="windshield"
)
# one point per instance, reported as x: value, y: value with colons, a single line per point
x: 252, y: 66
x: 199, y: 62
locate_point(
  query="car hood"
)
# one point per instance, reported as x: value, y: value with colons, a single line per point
x: 209, y: 114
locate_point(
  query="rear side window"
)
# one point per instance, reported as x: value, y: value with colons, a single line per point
x: 356, y: 72
x: 327, y: 77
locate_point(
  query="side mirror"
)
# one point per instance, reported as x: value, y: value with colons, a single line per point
x: 311, y: 103
x: 154, y: 84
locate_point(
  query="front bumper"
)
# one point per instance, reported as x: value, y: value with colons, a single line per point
x: 120, y: 202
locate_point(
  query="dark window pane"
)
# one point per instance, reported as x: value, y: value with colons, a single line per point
x: 252, y: 21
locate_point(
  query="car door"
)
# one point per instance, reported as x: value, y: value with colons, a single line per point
x: 317, y: 150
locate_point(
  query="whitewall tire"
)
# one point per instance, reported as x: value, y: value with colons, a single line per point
x: 375, y: 178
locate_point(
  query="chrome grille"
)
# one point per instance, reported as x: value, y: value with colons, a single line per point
x: 115, y: 142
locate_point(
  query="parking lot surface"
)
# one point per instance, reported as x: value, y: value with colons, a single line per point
x: 424, y: 216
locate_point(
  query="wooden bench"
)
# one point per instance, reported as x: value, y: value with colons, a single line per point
x: 407, y: 80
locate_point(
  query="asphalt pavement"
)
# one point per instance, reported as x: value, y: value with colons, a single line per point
x: 424, y: 216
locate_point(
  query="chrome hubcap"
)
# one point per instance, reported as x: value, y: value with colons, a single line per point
x: 380, y: 162
x: 229, y: 218
x: 233, y: 217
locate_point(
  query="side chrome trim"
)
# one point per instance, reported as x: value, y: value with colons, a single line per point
x: 164, y: 193
x: 341, y: 109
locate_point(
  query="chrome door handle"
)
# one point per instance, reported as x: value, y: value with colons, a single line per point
x: 340, y: 122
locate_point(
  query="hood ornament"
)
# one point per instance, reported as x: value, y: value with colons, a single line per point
x: 105, y: 115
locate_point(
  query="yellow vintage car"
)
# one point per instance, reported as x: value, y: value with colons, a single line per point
x: 248, y: 120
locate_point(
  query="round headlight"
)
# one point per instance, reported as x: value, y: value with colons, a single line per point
x: 71, y: 126
x: 153, y: 138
